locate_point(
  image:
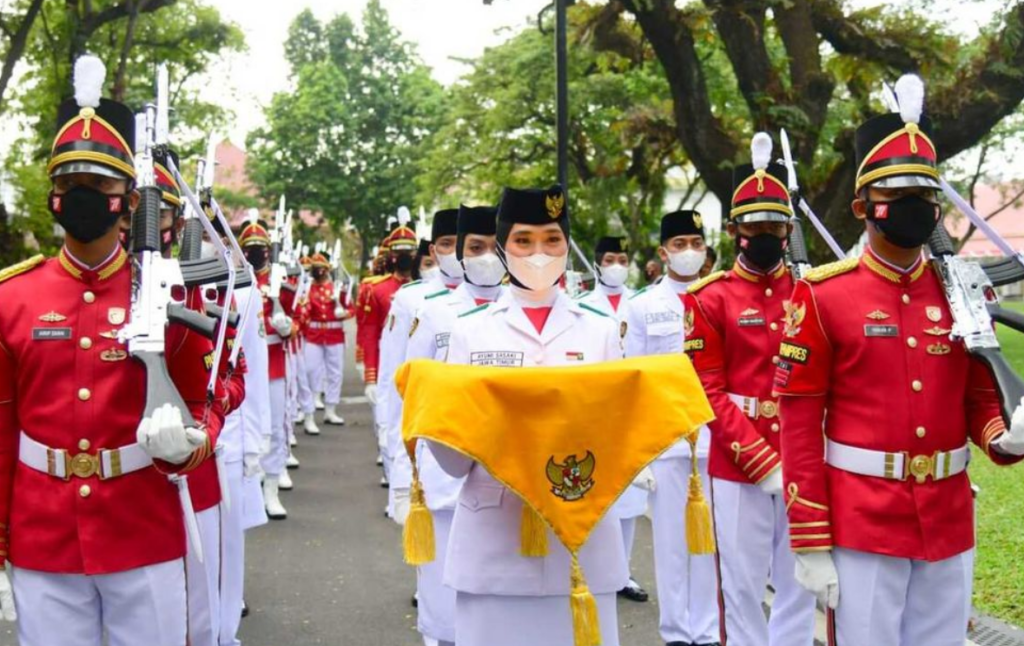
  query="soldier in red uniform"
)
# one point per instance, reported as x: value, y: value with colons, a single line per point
x: 325, y: 315
x: 380, y: 272
x: 733, y: 325
x: 880, y: 504
x: 255, y: 243
x: 88, y: 516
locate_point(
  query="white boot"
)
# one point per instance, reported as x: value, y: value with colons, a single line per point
x: 292, y: 463
x: 319, y: 402
x: 275, y: 510
x: 300, y: 417
x: 284, y: 481
x: 292, y: 442
x: 332, y: 417
x: 310, y: 426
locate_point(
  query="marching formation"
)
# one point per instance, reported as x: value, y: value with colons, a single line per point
x: 808, y: 428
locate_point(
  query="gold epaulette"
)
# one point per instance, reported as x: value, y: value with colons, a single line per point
x: 373, y: 280
x: 21, y: 267
x: 704, y: 282
x: 824, y: 272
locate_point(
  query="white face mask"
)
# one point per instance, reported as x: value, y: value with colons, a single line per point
x: 429, y: 275
x: 538, y: 272
x: 614, y: 275
x: 207, y: 250
x: 485, y: 270
x: 687, y: 263
x: 450, y: 266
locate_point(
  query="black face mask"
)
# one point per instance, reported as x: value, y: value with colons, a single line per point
x: 763, y: 250
x: 257, y: 257
x: 319, y: 274
x: 907, y: 222
x: 404, y: 262
x: 87, y: 214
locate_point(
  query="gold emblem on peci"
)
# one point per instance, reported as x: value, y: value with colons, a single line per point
x: 555, y: 204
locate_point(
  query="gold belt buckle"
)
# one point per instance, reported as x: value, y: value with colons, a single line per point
x: 83, y: 465
x: 920, y: 466
x: 769, y: 409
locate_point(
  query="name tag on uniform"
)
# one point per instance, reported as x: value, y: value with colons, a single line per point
x: 661, y: 317
x: 496, y: 358
x: 751, y: 321
x: 442, y: 339
x: 51, y: 333
x: 882, y: 330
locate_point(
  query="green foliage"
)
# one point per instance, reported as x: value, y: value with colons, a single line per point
x: 343, y: 140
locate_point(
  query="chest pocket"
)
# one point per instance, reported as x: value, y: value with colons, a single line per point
x: 481, y: 497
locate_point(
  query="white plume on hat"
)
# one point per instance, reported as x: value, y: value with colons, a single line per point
x: 140, y: 131
x: 910, y: 94
x: 404, y: 216
x: 761, y: 150
x: 90, y: 74
x: 254, y: 216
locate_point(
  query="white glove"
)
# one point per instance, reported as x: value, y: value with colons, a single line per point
x: 371, y: 393
x: 7, y: 609
x: 1012, y: 441
x: 772, y: 485
x: 645, y: 480
x: 339, y: 312
x: 816, y: 573
x: 251, y: 467
x: 164, y: 436
x: 400, y: 506
x: 281, y: 324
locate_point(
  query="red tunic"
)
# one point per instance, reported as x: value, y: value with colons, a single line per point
x: 320, y: 325
x: 375, y: 317
x: 78, y: 390
x: 871, y: 347
x: 733, y: 325
x: 275, y: 344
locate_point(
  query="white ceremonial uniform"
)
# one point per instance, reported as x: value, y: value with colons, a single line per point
x: 428, y: 339
x: 306, y: 402
x: 503, y: 598
x: 242, y: 435
x: 687, y: 603
x: 393, y: 340
x: 203, y: 579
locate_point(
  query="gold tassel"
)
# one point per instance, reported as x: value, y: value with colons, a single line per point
x: 533, y: 534
x: 586, y: 625
x: 418, y: 533
x: 700, y: 536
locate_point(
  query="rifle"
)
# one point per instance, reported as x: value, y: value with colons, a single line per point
x: 278, y: 269
x: 799, y: 258
x: 972, y: 301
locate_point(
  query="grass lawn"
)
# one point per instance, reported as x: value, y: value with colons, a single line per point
x: 999, y: 576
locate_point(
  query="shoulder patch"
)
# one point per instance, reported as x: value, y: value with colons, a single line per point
x: 584, y: 306
x: 476, y: 309
x: 640, y: 291
x: 21, y: 267
x: 410, y: 284
x: 436, y: 294
x: 704, y: 282
x: 824, y: 272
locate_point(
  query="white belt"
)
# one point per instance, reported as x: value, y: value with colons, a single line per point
x: 273, y: 339
x: 897, y: 466
x: 330, y: 325
x: 753, y: 408
x: 106, y: 463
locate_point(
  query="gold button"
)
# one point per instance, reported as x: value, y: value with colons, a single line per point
x: 774, y: 326
x: 85, y: 343
x: 917, y: 386
x: 768, y: 292
x: 83, y: 445
x: 84, y: 394
x: 89, y: 297
x: 776, y: 360
x: 85, y: 491
x: 906, y: 299
x: 911, y: 341
x: 775, y: 428
x: 920, y: 431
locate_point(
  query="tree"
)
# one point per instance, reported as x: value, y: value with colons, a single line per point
x: 813, y: 67
x: 344, y: 138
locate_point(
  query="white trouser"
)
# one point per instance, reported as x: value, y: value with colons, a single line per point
x: 753, y: 546
x: 232, y: 568
x: 886, y: 601
x: 687, y: 606
x: 436, y: 608
x: 325, y: 365
x: 145, y: 605
x: 291, y: 390
x: 273, y: 462
x: 305, y: 389
x: 203, y: 579
x: 628, y: 539
x: 492, y: 620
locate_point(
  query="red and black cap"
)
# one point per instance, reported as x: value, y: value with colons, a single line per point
x: 685, y: 222
x: 94, y: 135
x: 446, y: 223
x: 402, y: 239
x: 896, y: 150
x: 254, y: 234
x: 170, y: 191
x: 760, y: 193
x: 320, y: 260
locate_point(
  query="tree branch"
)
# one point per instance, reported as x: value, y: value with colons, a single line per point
x: 16, y: 49
x: 847, y: 36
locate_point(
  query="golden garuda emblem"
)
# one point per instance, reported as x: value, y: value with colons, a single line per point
x: 794, y: 317
x: 555, y: 204
x: 572, y: 479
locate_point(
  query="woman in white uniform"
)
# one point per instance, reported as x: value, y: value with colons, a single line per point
x: 502, y: 597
